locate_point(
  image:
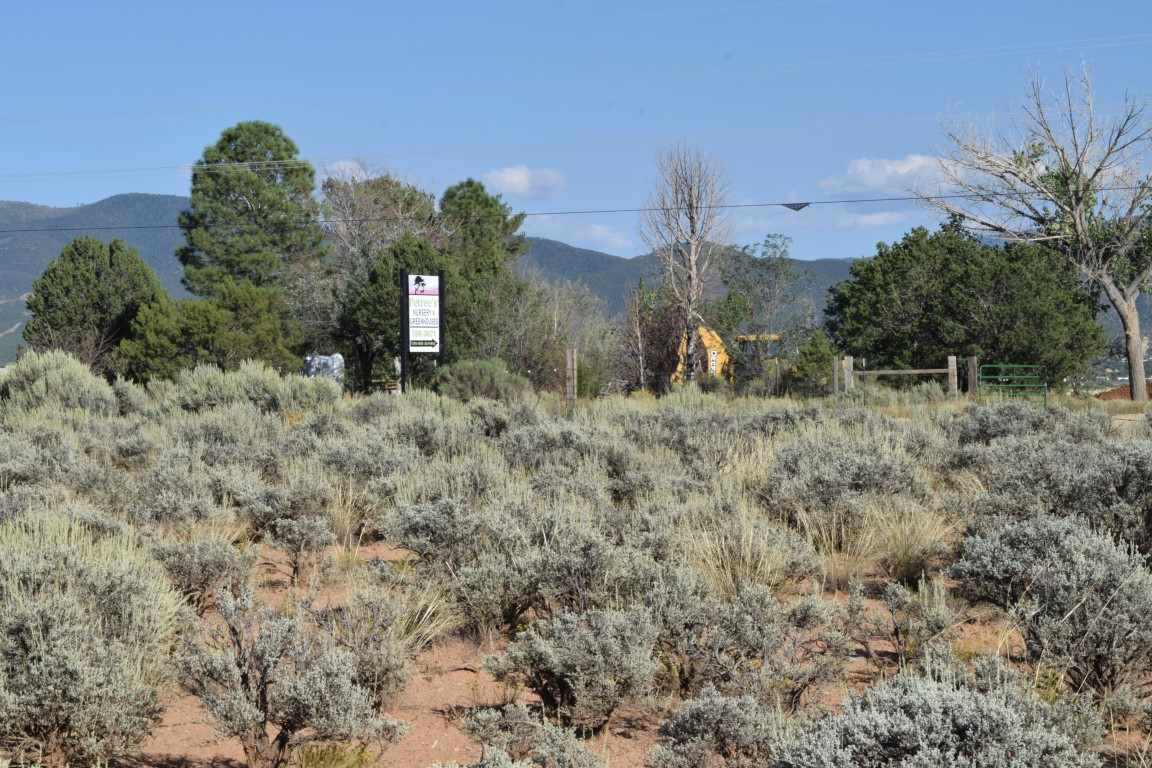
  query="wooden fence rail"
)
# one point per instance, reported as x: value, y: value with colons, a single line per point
x: 845, y: 373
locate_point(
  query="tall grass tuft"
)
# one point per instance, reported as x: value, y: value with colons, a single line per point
x: 735, y: 548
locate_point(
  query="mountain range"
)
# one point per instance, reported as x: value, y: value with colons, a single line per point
x: 612, y: 277
x: 32, y: 235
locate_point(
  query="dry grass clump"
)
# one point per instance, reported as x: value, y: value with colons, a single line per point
x: 907, y: 536
x: 735, y: 547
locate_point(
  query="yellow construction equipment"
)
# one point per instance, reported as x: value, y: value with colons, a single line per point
x: 711, y: 355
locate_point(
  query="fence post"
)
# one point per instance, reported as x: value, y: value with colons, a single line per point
x: 849, y: 379
x: 570, y: 375
x: 836, y: 364
x: 953, y: 378
x: 973, y: 376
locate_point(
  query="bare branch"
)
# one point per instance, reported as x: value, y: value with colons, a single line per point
x: 1073, y: 182
x: 684, y: 227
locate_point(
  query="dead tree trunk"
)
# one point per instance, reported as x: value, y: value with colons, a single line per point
x: 683, y: 227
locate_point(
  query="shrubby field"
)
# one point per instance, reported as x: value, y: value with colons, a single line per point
x: 687, y: 582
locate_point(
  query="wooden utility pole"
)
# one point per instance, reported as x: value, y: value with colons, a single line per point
x: 849, y: 377
x: 404, y: 330
x: 570, y: 375
x: 973, y: 376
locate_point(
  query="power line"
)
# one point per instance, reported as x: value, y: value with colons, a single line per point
x: 794, y: 205
x: 198, y: 167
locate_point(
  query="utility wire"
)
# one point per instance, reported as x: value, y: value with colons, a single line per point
x: 199, y: 167
x: 797, y: 206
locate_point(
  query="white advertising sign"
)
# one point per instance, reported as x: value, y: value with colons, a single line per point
x: 424, y: 313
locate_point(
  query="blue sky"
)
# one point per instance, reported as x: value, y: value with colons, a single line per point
x: 558, y: 105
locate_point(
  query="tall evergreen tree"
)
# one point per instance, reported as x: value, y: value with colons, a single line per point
x: 482, y: 242
x: 242, y: 323
x: 252, y: 219
x: 252, y: 212
x: 87, y: 298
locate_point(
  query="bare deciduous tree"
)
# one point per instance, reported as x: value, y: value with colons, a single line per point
x: 638, y: 308
x: 684, y: 226
x: 1075, y: 182
x: 364, y: 213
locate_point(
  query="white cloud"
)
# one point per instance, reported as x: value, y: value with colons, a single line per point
x: 886, y: 174
x: 522, y: 181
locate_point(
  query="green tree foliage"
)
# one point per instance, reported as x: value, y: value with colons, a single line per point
x: 811, y: 370
x: 368, y: 319
x: 365, y: 217
x: 381, y: 226
x: 244, y: 322
x: 170, y: 335
x: 482, y: 241
x: 480, y: 379
x: 763, y: 287
x: 763, y: 297
x: 935, y: 294
x: 252, y: 221
x: 87, y: 298
x: 650, y: 338
x: 252, y: 212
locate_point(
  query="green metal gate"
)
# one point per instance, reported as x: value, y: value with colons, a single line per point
x: 1012, y: 380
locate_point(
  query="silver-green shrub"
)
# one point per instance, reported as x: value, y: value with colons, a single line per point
x: 233, y: 434
x: 720, y: 731
x: 1106, y: 482
x: 86, y: 622
x: 369, y: 628
x: 366, y: 453
x: 520, y: 734
x: 202, y: 567
x: 27, y: 460
x: 206, y: 387
x: 824, y: 469
x: 583, y: 666
x: 131, y: 398
x: 472, y: 379
x: 176, y: 488
x: 983, y: 424
x: 552, y: 442
x: 276, y: 682
x: 750, y: 645
x: 1083, y: 601
x: 506, y: 557
x: 55, y: 380
x: 946, y: 718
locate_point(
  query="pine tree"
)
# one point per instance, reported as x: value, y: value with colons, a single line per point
x: 252, y: 212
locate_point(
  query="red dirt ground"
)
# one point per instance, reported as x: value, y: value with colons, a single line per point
x: 449, y: 680
x: 1119, y: 393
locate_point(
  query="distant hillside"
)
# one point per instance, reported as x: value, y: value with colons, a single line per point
x: 609, y: 277
x: 612, y: 277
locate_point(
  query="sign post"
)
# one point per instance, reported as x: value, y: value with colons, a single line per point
x: 422, y: 330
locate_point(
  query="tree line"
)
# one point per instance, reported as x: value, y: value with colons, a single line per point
x: 277, y: 271
x: 1046, y: 238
